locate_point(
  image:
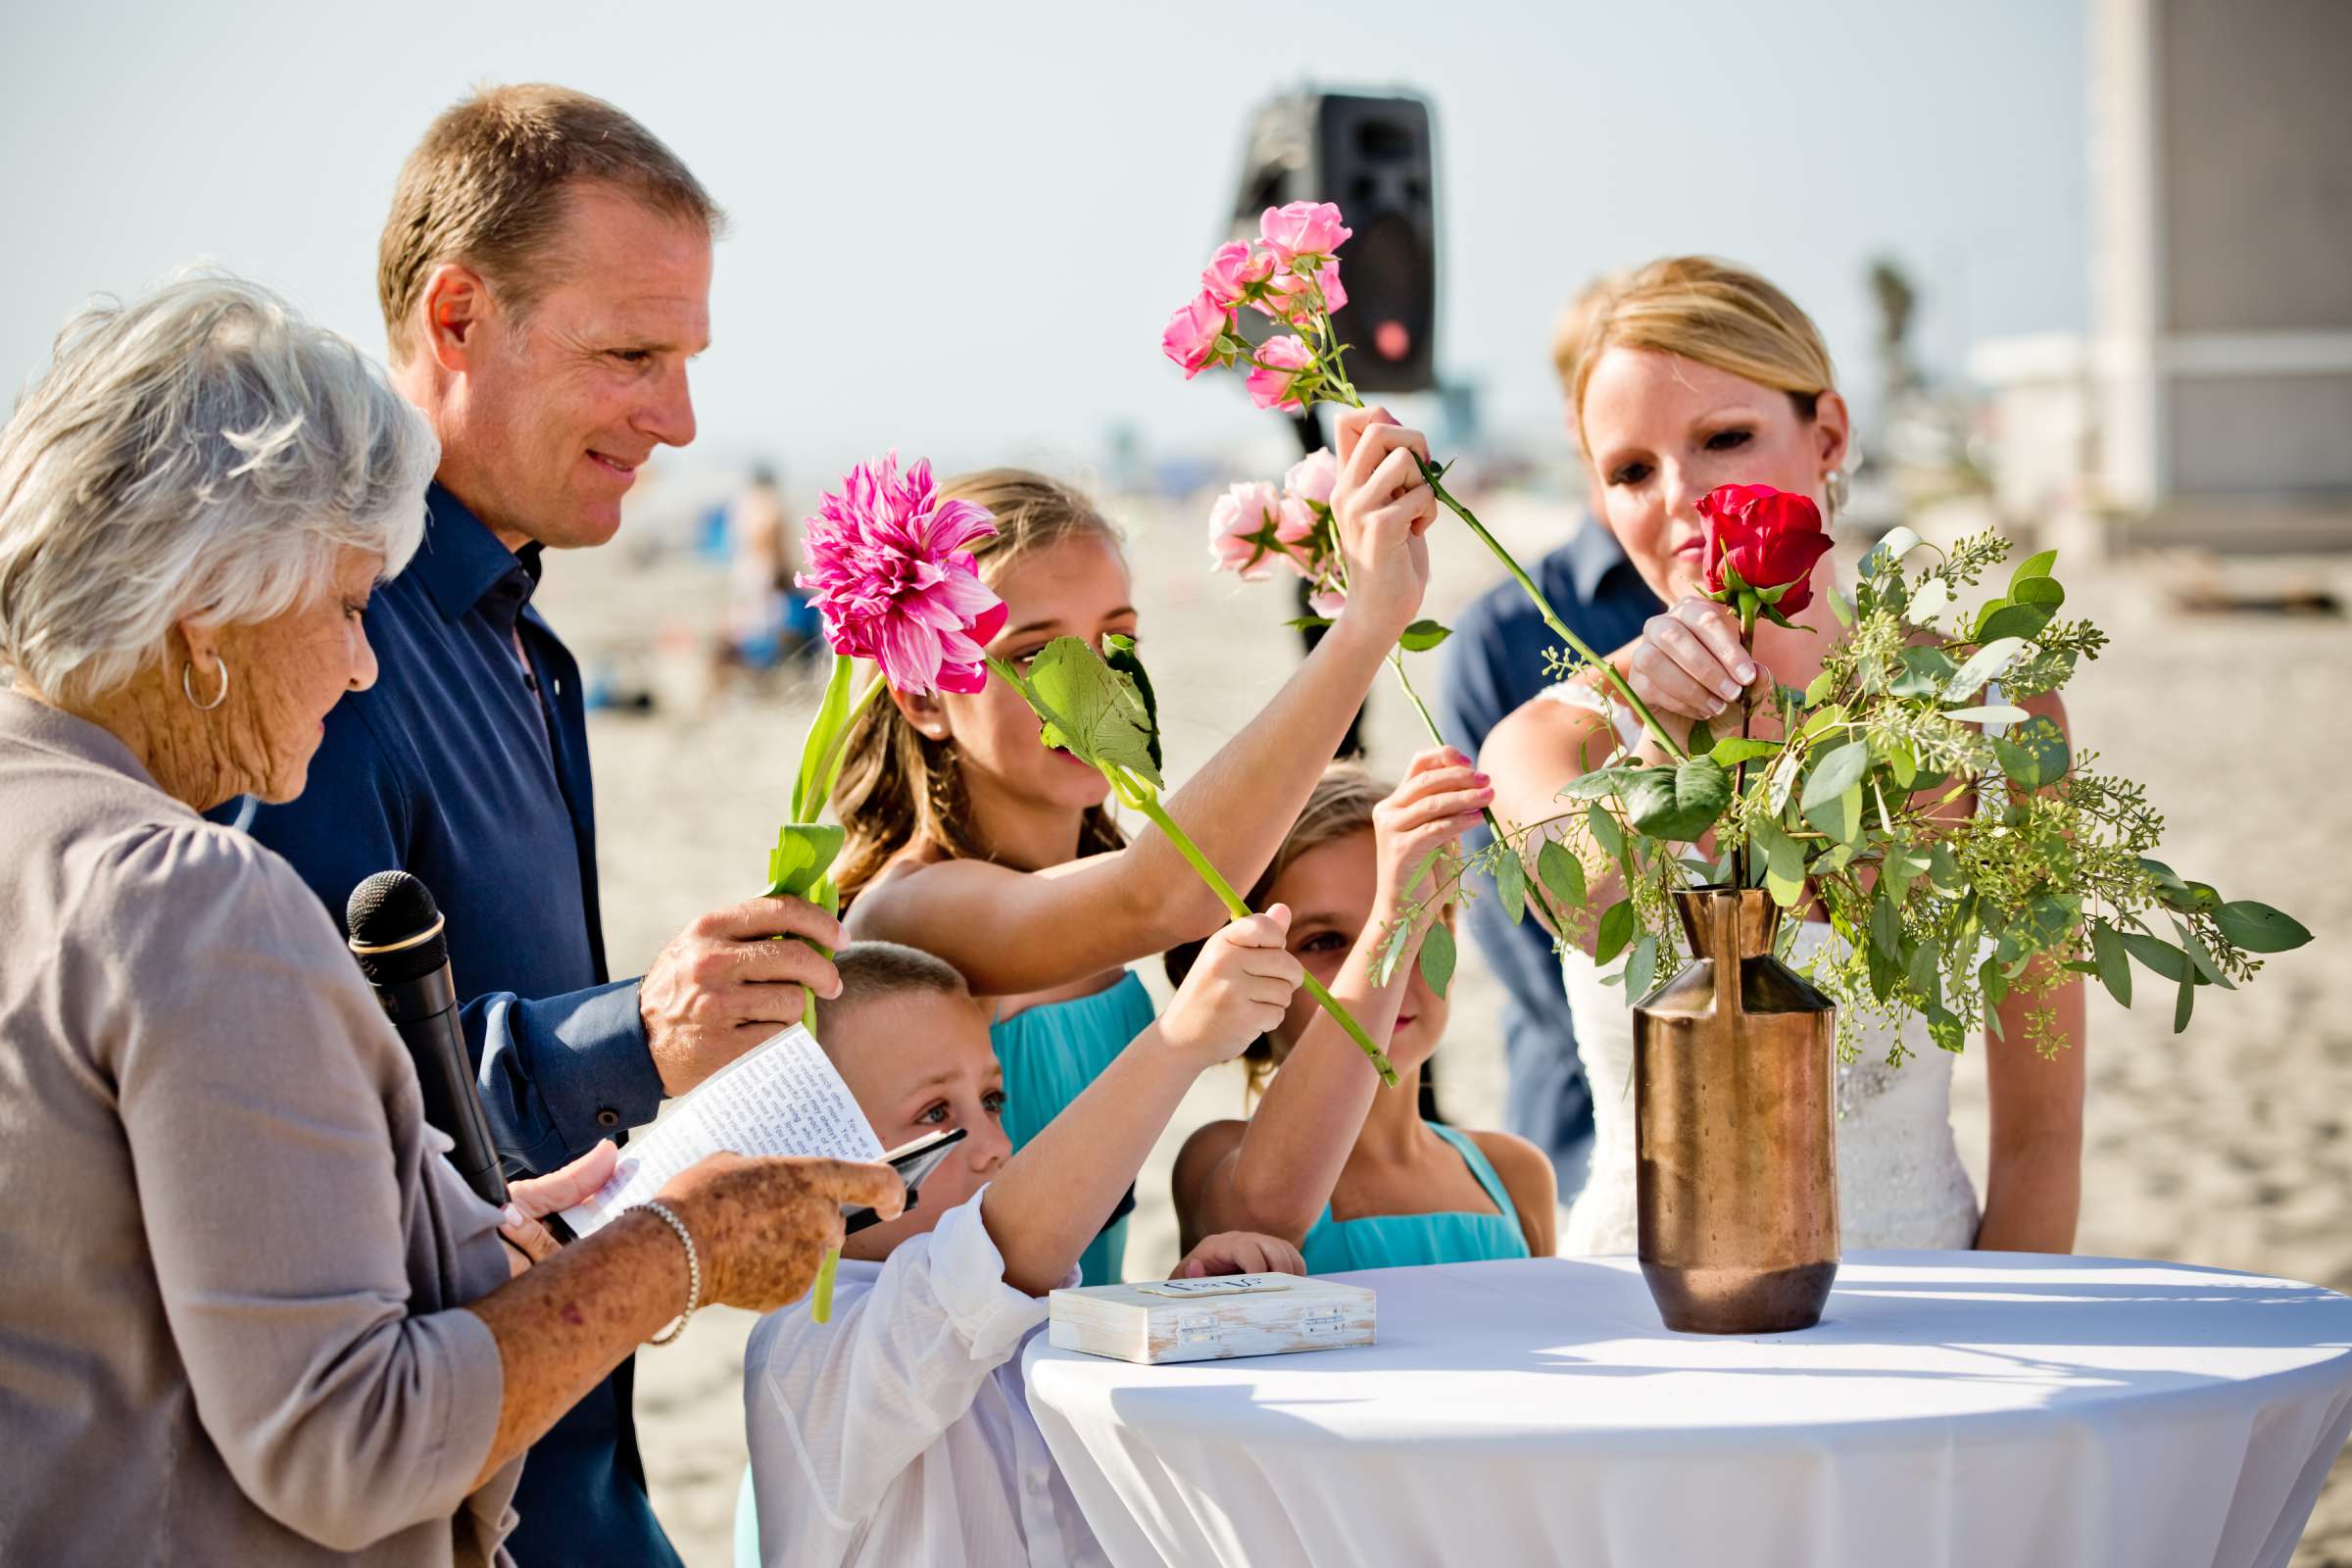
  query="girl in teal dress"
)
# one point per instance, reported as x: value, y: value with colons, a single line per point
x: 971, y: 840
x: 1347, y: 1170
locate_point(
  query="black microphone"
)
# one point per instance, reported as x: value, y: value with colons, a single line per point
x: 398, y: 935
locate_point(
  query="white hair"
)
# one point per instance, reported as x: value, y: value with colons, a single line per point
x: 200, y: 454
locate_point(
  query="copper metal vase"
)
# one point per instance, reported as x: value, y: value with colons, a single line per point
x: 1735, y: 1109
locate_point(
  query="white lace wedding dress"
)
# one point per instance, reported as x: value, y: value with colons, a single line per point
x: 1900, y: 1183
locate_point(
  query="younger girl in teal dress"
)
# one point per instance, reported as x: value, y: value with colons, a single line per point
x: 971, y: 840
x: 1348, y: 1171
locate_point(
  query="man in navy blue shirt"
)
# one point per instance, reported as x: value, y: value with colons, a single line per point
x: 545, y: 277
x: 1494, y: 662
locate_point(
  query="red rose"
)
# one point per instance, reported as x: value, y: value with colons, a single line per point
x: 1771, y: 538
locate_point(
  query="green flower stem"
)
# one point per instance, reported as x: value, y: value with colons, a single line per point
x: 1748, y: 709
x: 1147, y: 802
x: 1552, y: 618
x: 1535, y: 889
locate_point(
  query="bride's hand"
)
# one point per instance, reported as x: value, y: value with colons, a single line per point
x: 1689, y: 661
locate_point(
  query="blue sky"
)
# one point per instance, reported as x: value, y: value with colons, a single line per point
x: 958, y: 228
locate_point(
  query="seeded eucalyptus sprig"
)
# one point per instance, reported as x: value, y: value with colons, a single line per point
x: 1960, y: 845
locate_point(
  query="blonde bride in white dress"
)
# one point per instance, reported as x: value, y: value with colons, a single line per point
x: 1694, y: 374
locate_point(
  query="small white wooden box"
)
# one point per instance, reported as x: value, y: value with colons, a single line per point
x: 1208, y: 1321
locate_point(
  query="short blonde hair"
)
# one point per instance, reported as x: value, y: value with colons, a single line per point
x: 1713, y: 313
x: 487, y: 187
x: 201, y: 453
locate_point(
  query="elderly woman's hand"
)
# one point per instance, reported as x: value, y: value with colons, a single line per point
x: 762, y: 1226
x: 532, y: 1199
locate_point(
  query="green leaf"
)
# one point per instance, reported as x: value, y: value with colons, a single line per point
x: 1121, y: 657
x: 1919, y: 968
x: 802, y: 853
x: 1899, y: 543
x: 2046, y: 593
x: 2034, y: 753
x: 1735, y: 750
x: 2154, y: 952
x: 1616, y: 930
x: 2258, y: 928
x: 1436, y: 958
x: 2202, y: 957
x: 1087, y: 707
x: 2035, y: 565
x: 1701, y: 740
x: 1818, y: 692
x: 1934, y: 596
x: 1982, y: 666
x: 1605, y: 831
x: 1839, y: 607
x: 1943, y: 868
x: 1642, y: 969
x: 2115, y: 969
x: 1998, y: 713
x: 1510, y: 885
x: 1561, y: 873
x: 1782, y: 781
x: 1822, y: 722
x: 832, y: 710
x: 1887, y: 927
x: 1596, y: 785
x: 1925, y: 672
x: 2023, y: 621
x: 2184, y: 1002
x: 1835, y: 771
x: 1840, y: 818
x: 1391, y: 951
x: 1900, y: 869
x: 1423, y: 635
x: 1308, y: 622
x: 1681, y: 803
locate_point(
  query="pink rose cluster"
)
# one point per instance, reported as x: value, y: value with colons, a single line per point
x: 1254, y: 527
x: 891, y: 571
x: 1292, y: 274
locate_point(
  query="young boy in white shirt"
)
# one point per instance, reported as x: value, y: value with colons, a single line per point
x: 898, y: 1432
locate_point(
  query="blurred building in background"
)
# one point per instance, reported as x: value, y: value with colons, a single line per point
x: 2211, y: 405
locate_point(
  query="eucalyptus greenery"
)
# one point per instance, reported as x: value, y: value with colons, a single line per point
x: 1946, y: 907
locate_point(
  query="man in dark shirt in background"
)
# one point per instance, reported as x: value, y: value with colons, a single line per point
x: 1496, y: 660
x: 545, y: 276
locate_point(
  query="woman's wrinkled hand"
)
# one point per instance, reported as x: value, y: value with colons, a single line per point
x: 1689, y: 661
x: 762, y: 1226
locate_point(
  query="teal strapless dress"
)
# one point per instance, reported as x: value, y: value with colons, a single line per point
x: 1050, y: 1054
x: 1396, y: 1241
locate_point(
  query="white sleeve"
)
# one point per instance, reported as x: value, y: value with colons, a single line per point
x: 837, y: 1412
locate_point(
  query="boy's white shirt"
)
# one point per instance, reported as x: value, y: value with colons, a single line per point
x: 900, y: 1432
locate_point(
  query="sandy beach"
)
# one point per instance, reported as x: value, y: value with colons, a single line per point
x: 2225, y: 1146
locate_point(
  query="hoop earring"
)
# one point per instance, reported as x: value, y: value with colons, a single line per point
x: 188, y: 685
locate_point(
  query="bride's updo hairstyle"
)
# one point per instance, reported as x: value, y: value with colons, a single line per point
x: 1711, y: 313
x: 898, y: 786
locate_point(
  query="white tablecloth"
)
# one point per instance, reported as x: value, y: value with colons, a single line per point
x: 1979, y: 1410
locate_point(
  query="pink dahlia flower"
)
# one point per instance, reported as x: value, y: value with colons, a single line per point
x: 1302, y: 228
x: 890, y: 572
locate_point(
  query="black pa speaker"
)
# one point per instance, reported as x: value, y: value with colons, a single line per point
x: 1372, y: 156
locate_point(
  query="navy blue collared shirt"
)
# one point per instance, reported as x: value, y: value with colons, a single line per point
x: 467, y: 766
x: 1494, y: 662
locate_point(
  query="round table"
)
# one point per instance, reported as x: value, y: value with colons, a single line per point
x: 1957, y: 1408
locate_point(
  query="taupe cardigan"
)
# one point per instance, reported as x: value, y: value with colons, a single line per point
x: 230, y: 1252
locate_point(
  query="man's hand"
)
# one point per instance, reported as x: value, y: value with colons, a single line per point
x: 722, y: 986
x: 1239, y: 1252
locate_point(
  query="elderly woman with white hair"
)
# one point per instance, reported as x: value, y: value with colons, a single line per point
x: 248, y: 1313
